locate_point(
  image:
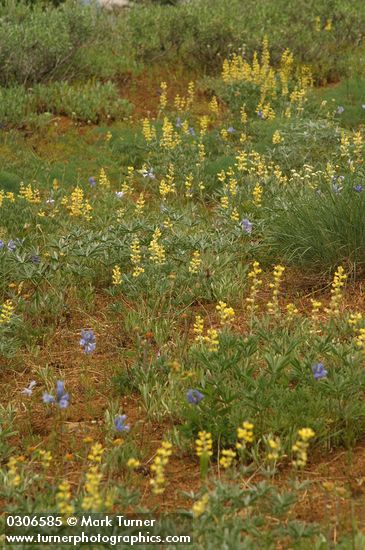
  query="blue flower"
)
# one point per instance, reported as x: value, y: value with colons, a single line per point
x: 92, y: 181
x: 48, y: 399
x: 35, y: 259
x: 358, y: 188
x: 29, y: 390
x: 1, y: 244
x: 260, y: 114
x: 194, y: 397
x: 340, y: 110
x: 119, y: 194
x: 119, y: 423
x: 319, y: 371
x: 191, y: 131
x: 11, y: 245
x: 246, y: 225
x: 62, y: 398
x: 87, y: 341
x: 231, y: 130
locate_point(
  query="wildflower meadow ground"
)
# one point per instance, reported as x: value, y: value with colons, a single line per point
x: 182, y: 311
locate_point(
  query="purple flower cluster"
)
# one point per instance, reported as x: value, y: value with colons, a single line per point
x: 246, y: 226
x: 319, y: 371
x: 194, y: 397
x: 87, y: 341
x: 119, y: 423
x: 62, y: 399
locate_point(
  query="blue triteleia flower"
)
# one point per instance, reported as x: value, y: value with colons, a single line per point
x: 319, y: 371
x: 231, y: 130
x: 358, y: 188
x: 246, y: 225
x: 11, y: 245
x: 62, y: 399
x: 1, y: 244
x: 92, y: 181
x: 119, y: 423
x: 87, y: 341
x: 194, y: 397
x: 340, y: 110
x: 191, y: 131
x: 48, y: 399
x: 29, y: 390
x: 260, y: 114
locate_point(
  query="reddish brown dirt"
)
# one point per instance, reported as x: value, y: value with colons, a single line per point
x: 89, y: 380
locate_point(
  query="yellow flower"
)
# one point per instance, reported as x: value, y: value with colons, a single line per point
x: 148, y: 131
x: 306, y: 433
x: 163, y: 96
x: 78, y: 206
x: 336, y: 291
x: 140, y: 204
x: 274, y: 446
x: 273, y: 305
x: 96, y: 453
x: 226, y: 314
x: 103, y: 179
x: 198, y: 328
x: 291, y: 310
x: 136, y: 258
x: 204, y: 444
x: 277, y: 138
x: 224, y: 202
x: 300, y: 448
x: 245, y: 435
x: 133, y: 463
x: 63, y: 498
x: 257, y: 195
x: 213, y: 105
x: 235, y: 215
x: 256, y: 282
x: 157, y: 251
x: 227, y: 458
x: 46, y: 458
x: 211, y: 340
x: 158, y: 467
x: 195, y: 263
x: 6, y: 313
x: 14, y: 478
x: 92, y: 500
x: 200, y: 506
x: 117, y: 276
x: 316, y: 306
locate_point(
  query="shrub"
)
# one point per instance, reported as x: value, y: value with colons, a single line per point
x: 39, y: 42
x: 85, y: 102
